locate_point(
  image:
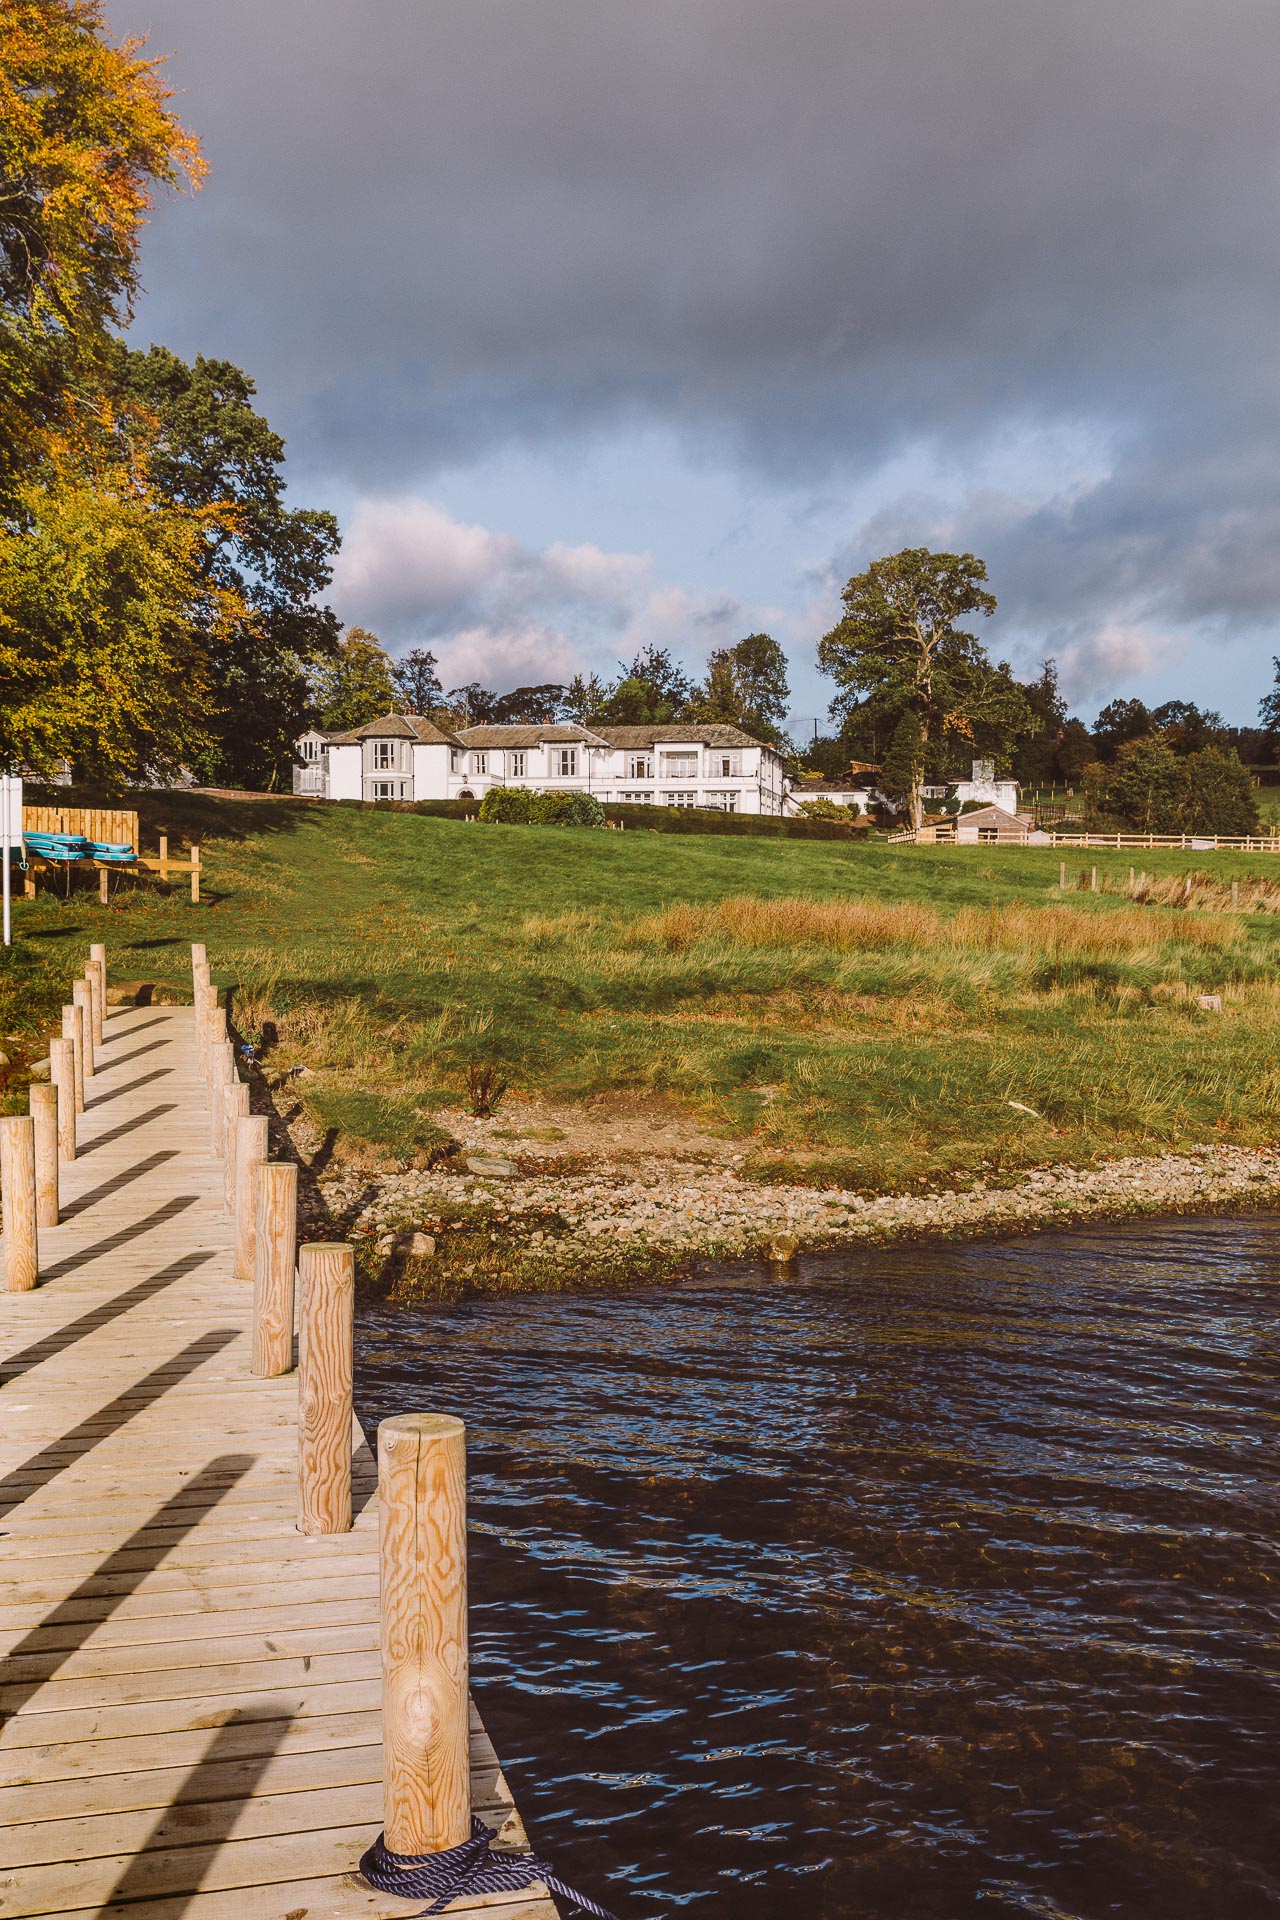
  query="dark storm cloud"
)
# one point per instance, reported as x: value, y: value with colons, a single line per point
x: 808, y: 234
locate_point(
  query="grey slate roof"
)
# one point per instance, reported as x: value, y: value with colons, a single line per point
x: 564, y: 735
x: 395, y: 726
x: 678, y: 734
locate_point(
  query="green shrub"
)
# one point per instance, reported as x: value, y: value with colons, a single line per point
x: 566, y: 810
x: 511, y: 805
x: 824, y: 809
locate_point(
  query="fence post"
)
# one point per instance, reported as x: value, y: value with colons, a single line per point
x: 195, y: 876
x: 250, y: 1153
x: 1062, y: 876
x: 1235, y: 896
x: 235, y: 1107
x: 275, y: 1237
x: 97, y: 997
x: 326, y: 1278
x: 215, y: 1028
x: 44, y: 1122
x: 422, y: 1522
x: 80, y: 997
x: 18, y: 1197
x: 164, y: 858
x: 1093, y: 879
x: 71, y: 1030
x: 62, y: 1074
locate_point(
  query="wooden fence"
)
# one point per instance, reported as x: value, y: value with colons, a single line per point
x: 1179, y: 842
x: 113, y: 826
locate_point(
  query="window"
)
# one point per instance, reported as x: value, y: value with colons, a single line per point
x: 724, y: 766
x: 564, y: 761
x: 479, y: 763
x: 454, y: 757
x: 516, y: 765
x: 311, y: 749
x: 388, y: 789
x: 723, y: 802
x: 637, y: 799
x: 384, y: 753
x: 640, y: 766
x: 680, y: 766
x: 680, y: 799
x: 988, y: 833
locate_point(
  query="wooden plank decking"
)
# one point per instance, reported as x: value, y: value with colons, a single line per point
x: 190, y: 1691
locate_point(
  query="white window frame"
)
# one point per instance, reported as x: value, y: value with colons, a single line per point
x: 480, y: 762
x: 566, y: 762
x: 384, y: 756
x: 640, y: 766
x: 383, y: 789
x: 681, y: 764
x: 516, y: 763
x: 636, y: 799
x: 454, y: 756
x: 723, y: 802
x: 724, y: 763
x: 681, y: 799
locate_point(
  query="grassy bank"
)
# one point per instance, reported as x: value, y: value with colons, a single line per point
x: 872, y: 1016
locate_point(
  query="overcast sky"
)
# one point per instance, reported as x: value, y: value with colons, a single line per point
x: 607, y: 321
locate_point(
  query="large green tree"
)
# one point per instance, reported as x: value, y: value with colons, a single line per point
x: 746, y: 686
x: 354, y: 684
x: 1152, y: 788
x: 899, y: 648
x: 86, y: 137
x: 212, y: 448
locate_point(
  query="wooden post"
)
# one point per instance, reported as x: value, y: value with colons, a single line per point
x: 219, y: 1077
x: 71, y: 1030
x: 104, y: 886
x: 199, y: 959
x: 80, y: 997
x: 1062, y: 876
x: 1131, y: 879
x: 62, y: 1073
x: 422, y: 1516
x: 97, y: 998
x: 235, y: 1107
x: 1235, y: 896
x: 44, y: 1121
x: 215, y: 1028
x: 251, y: 1151
x: 1093, y: 879
x: 18, y: 1197
x: 195, y: 876
x: 274, y: 1240
x: 326, y: 1278
x: 164, y: 856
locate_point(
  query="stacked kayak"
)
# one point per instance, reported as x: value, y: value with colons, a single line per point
x: 110, y: 850
x: 57, y: 846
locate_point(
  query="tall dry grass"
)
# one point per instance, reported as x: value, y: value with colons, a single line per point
x: 850, y: 926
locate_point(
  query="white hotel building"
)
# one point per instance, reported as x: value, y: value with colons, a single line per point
x: 404, y: 757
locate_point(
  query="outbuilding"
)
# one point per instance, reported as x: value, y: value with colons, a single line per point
x: 990, y: 826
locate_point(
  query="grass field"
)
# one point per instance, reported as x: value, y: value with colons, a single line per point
x: 864, y: 1015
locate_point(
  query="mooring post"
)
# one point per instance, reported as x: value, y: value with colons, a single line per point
x: 275, y: 1235
x: 219, y: 1077
x: 235, y: 1107
x: 80, y: 997
x: 72, y: 1030
x: 422, y: 1512
x: 62, y: 1074
x: 251, y: 1151
x: 43, y: 1097
x: 326, y: 1278
x: 18, y: 1198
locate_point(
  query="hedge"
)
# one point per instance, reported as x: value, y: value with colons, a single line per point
x: 761, y: 826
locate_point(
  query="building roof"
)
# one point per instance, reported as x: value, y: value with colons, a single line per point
x: 678, y: 734
x: 567, y: 734
x: 813, y: 784
x: 394, y: 726
x: 990, y: 816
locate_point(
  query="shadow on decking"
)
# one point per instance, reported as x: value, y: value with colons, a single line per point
x: 130, y: 1086
x: 21, y: 1481
x: 152, y: 1046
x: 98, y: 1316
x: 126, y: 1033
x: 129, y: 1126
x: 136, y: 1557
x: 158, y: 1217
x: 119, y: 1180
x: 174, y: 1860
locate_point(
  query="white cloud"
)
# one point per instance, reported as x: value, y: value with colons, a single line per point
x: 500, y: 611
x: 1112, y: 657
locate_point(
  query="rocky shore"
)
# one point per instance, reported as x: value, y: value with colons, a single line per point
x: 522, y: 1226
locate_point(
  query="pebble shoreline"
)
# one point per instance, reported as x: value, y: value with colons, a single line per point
x: 683, y: 1207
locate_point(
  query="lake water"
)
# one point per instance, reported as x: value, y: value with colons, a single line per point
x: 931, y: 1582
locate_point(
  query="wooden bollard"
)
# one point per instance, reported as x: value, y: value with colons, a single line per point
x: 62, y: 1074
x: 251, y: 1151
x: 98, y: 959
x: 43, y: 1097
x: 97, y: 999
x: 18, y: 1197
x: 422, y: 1524
x: 219, y: 1077
x: 275, y: 1235
x: 72, y: 1030
x: 215, y: 1027
x: 81, y: 995
x: 327, y: 1280
x: 235, y: 1107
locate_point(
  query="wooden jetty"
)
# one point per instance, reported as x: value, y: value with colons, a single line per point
x: 191, y: 1690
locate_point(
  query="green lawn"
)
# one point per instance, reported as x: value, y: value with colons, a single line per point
x: 874, y: 1032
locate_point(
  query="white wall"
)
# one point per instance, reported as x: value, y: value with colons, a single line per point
x: 430, y: 770
x: 346, y: 775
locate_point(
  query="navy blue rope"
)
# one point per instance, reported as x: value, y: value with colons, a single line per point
x: 471, y: 1869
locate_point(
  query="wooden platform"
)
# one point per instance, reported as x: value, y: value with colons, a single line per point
x: 190, y: 1688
